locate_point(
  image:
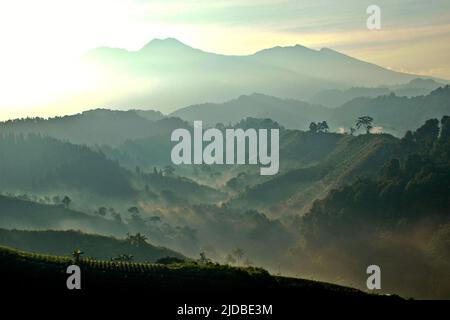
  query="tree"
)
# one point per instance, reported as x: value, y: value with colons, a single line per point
x: 313, y: 127
x: 319, y: 127
x: 322, y: 126
x: 392, y: 169
x: 76, y: 254
x: 137, y: 240
x: 102, y: 211
x: 445, y: 129
x: 427, y: 134
x: 352, y: 130
x: 366, y: 122
x: 66, y: 201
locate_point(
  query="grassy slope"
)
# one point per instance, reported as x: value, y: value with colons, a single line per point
x: 21, y: 214
x: 344, y: 159
x: 33, y: 271
x: 96, y: 246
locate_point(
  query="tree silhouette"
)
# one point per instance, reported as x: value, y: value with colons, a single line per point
x: 66, y: 201
x: 319, y: 127
x: 366, y: 122
x: 322, y: 126
x: 137, y: 240
x: 76, y: 254
x: 102, y: 211
x: 313, y: 127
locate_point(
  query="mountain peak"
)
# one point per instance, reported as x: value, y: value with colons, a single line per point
x: 293, y: 49
x: 169, y: 43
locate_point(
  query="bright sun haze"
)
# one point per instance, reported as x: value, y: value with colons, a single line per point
x: 41, y: 41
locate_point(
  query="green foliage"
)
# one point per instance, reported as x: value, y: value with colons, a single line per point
x: 35, y: 163
x: 365, y: 122
x: 415, y: 187
x: 319, y: 127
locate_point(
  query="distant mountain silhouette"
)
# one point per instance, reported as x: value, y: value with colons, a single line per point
x: 395, y: 114
x: 169, y: 74
x: 135, y: 129
x: 336, y: 98
x: 289, y: 112
x: 100, y: 126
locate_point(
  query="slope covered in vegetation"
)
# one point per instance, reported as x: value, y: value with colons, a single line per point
x: 61, y: 243
x: 35, y: 271
x: 398, y: 219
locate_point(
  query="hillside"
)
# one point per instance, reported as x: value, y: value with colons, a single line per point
x: 25, y: 214
x: 46, y: 166
x: 100, y: 126
x: 398, y: 218
x: 60, y: 243
x: 393, y: 113
x: 290, y: 113
x: 336, y: 98
x: 32, y: 163
x: 43, y: 271
x: 324, y: 161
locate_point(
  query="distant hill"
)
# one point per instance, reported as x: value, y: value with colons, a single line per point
x: 100, y: 126
x: 18, y: 213
x: 46, y: 166
x: 41, y: 164
x: 290, y: 113
x: 336, y: 98
x: 416, y: 87
x: 62, y: 243
x: 169, y: 74
x: 393, y: 113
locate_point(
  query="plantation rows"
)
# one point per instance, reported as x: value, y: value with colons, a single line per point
x: 191, y: 267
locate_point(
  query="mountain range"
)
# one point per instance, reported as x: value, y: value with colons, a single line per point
x: 167, y: 74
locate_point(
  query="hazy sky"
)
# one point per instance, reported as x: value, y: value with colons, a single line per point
x: 39, y: 40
